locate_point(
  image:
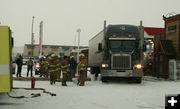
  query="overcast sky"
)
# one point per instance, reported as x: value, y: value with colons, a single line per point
x: 63, y: 17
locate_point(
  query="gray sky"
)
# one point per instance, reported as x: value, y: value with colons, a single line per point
x: 63, y: 17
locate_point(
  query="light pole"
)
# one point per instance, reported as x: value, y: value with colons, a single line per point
x: 142, y: 41
x: 78, y: 30
x: 74, y: 42
x: 32, y: 38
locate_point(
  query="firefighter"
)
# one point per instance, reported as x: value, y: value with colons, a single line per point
x: 30, y: 66
x: 41, y: 66
x: 19, y: 63
x: 59, y: 69
x: 82, y: 69
x: 72, y: 68
x: 46, y: 62
x: 52, y: 69
x: 64, y: 68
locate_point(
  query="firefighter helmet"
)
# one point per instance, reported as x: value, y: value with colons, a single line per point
x: 71, y: 57
x: 82, y: 55
x: 52, y: 55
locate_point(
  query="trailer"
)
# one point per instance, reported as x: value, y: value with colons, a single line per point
x: 6, y: 43
x: 116, y: 52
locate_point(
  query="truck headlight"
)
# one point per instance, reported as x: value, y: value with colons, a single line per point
x: 104, y: 65
x: 138, y: 66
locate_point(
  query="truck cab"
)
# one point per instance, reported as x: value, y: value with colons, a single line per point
x: 119, y: 53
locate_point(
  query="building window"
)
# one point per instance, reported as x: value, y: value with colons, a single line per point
x: 172, y: 29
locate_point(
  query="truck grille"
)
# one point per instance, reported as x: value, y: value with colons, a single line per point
x: 121, y: 61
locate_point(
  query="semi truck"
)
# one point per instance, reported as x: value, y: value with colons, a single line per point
x: 116, y: 52
x: 6, y: 44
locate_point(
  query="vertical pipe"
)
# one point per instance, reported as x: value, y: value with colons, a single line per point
x: 32, y: 38
x: 79, y: 30
x: 74, y: 40
x: 104, y: 41
x: 40, y: 37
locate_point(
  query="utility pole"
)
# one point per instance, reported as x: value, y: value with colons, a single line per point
x: 78, y: 30
x: 141, y: 42
x: 103, y: 43
x: 32, y: 38
x: 75, y: 42
x: 40, y: 38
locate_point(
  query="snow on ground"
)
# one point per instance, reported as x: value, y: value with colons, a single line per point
x: 94, y: 95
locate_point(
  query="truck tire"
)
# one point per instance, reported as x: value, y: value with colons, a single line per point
x: 104, y: 79
x: 92, y: 70
x: 138, y: 80
x: 95, y: 71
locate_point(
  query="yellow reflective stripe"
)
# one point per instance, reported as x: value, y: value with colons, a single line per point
x: 52, y: 70
x: 81, y: 69
x: 64, y: 66
x: 59, y: 68
x: 46, y: 62
x: 64, y: 71
x: 53, y: 65
x: 4, y: 69
x: 81, y: 65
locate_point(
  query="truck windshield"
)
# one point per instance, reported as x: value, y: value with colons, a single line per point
x: 125, y: 45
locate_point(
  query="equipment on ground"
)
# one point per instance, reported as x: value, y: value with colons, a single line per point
x: 32, y: 95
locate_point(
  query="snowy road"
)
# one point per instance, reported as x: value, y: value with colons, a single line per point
x: 95, y: 95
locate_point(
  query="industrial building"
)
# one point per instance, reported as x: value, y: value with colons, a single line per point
x: 59, y: 50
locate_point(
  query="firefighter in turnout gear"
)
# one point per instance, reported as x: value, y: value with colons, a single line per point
x: 64, y: 68
x: 82, y: 69
x: 59, y: 69
x: 41, y: 66
x: 46, y: 62
x: 52, y: 69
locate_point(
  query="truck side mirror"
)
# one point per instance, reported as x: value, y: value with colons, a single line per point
x: 100, y: 47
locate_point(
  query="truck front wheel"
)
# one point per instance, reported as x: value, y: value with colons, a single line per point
x: 138, y: 80
x: 104, y: 79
